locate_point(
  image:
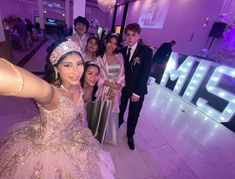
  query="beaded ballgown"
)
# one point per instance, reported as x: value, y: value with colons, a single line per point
x: 55, y: 144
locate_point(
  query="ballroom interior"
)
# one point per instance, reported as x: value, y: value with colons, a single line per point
x: 186, y: 127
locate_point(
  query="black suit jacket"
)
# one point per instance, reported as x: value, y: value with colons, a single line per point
x: 137, y: 70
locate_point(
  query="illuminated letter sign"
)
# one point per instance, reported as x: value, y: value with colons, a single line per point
x: 212, y: 87
x: 181, y: 74
x: 196, y: 80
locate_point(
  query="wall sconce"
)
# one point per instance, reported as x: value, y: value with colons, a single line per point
x: 206, y: 22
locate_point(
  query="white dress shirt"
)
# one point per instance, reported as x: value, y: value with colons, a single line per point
x: 132, y: 50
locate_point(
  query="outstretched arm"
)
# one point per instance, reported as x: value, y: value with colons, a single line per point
x: 16, y: 81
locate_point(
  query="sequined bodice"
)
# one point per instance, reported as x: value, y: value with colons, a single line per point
x: 56, y: 123
x: 55, y: 144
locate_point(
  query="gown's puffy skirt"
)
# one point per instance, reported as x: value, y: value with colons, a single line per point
x: 24, y: 154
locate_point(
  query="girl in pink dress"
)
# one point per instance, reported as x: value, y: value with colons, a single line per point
x: 111, y: 81
x: 57, y: 143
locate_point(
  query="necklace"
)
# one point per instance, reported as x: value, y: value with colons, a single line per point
x: 66, y: 89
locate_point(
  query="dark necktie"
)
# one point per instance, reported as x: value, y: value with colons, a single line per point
x: 128, y: 54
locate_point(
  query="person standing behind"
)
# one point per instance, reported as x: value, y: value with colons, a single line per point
x: 29, y: 31
x: 163, y: 52
x: 81, y: 26
x: 111, y: 82
x: 89, y: 81
x: 21, y: 29
x: 161, y: 58
x: 138, y: 59
x: 89, y: 84
x: 91, y: 50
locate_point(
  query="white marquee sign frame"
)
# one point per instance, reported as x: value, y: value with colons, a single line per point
x: 181, y: 74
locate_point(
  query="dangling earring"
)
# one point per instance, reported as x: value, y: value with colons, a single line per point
x: 57, y: 81
x: 56, y: 75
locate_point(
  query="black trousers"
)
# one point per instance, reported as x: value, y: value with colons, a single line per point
x: 133, y: 114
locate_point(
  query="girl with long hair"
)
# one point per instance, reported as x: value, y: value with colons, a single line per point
x: 111, y: 81
x: 57, y: 142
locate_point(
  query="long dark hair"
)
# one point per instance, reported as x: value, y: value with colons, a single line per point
x: 107, y: 39
x: 82, y: 80
x: 50, y: 74
x: 97, y: 42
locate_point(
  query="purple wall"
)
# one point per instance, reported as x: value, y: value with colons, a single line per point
x: 184, y: 23
x: 120, y: 11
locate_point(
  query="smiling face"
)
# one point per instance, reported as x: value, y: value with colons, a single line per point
x: 111, y: 45
x: 131, y: 37
x: 92, y: 75
x: 70, y: 70
x: 92, y: 46
x: 80, y: 28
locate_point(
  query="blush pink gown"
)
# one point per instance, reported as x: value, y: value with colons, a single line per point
x: 56, y: 144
